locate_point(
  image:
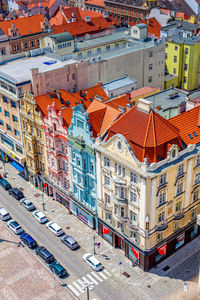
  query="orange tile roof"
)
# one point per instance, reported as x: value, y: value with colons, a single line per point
x: 101, y: 116
x: 148, y: 134
x: 188, y: 125
x: 95, y: 2
x: 90, y: 93
x: 142, y: 91
x: 121, y: 100
x: 25, y: 25
x: 153, y: 26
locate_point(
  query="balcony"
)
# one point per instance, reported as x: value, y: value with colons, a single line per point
x: 161, y: 227
x: 120, y: 218
x: 106, y: 207
x: 132, y: 225
x: 119, y: 201
x: 179, y: 215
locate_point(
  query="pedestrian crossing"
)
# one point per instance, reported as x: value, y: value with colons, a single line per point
x: 78, y: 287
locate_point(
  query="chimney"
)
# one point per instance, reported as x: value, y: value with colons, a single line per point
x: 121, y: 108
x: 58, y: 94
x: 144, y: 105
x: 128, y: 106
x: 81, y: 93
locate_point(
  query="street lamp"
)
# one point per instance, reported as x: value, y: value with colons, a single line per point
x: 43, y: 204
x: 94, y: 243
x: 4, y: 170
x: 89, y: 287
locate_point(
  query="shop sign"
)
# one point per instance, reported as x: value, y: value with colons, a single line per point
x: 134, y: 254
x: 105, y: 230
x: 180, y: 240
x: 162, y: 250
x: 107, y: 234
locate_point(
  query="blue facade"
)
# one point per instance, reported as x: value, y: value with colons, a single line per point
x: 83, y: 166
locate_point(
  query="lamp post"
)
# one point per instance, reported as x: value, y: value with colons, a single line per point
x: 88, y: 287
x: 94, y: 243
x: 4, y: 170
x: 43, y: 204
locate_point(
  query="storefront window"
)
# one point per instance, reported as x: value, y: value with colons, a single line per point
x: 82, y: 215
x: 107, y: 234
x: 180, y: 240
x: 134, y: 254
x: 161, y: 252
x: 194, y: 231
x: 63, y: 200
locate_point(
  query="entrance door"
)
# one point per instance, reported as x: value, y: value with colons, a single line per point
x: 117, y: 242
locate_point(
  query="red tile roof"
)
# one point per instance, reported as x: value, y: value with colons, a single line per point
x: 96, y: 2
x: 89, y: 94
x: 153, y: 26
x: 188, y: 125
x: 142, y: 91
x: 25, y: 25
x: 121, y: 100
x: 148, y: 134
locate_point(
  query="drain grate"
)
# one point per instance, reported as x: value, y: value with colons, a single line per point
x: 21, y: 189
x: 126, y: 274
x: 68, y: 227
x: 166, y: 268
x: 149, y: 286
x: 37, y: 195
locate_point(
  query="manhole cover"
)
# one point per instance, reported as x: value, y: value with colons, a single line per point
x: 21, y: 189
x: 126, y: 274
x: 166, y: 268
x: 68, y: 227
x: 37, y: 195
x: 149, y: 286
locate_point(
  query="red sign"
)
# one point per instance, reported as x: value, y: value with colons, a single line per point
x: 105, y: 230
x: 44, y: 185
x: 136, y: 253
x: 163, y: 249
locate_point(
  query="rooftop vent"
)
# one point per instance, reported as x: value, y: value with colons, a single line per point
x: 87, y: 19
x: 97, y: 97
x: 173, y: 95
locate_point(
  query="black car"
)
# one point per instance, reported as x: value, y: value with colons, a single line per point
x: 5, y: 184
x: 16, y: 193
x: 45, y: 254
x: 28, y: 240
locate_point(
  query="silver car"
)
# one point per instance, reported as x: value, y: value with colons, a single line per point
x: 27, y: 204
x: 15, y: 227
x: 40, y: 217
x: 4, y: 215
x: 69, y: 241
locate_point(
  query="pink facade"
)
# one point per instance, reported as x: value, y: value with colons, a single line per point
x: 57, y: 151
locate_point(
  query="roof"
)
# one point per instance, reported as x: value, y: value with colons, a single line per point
x: 177, y: 5
x: 188, y: 124
x: 152, y: 24
x: 141, y: 25
x: 191, y: 40
x: 143, y: 91
x: 101, y: 116
x: 62, y: 37
x: 180, y: 25
x: 90, y: 93
x: 99, y: 3
x: 121, y: 100
x: 118, y: 83
x: 25, y: 25
x: 148, y: 134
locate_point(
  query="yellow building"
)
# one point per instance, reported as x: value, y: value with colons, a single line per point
x: 148, y: 185
x: 33, y: 137
x: 182, y: 60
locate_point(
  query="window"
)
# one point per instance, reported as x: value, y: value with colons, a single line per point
x: 107, y: 198
x: 180, y: 170
x: 150, y: 67
x: 5, y: 100
x: 178, y: 207
x: 184, y: 79
x: 122, y: 212
x: 179, y: 188
x: 25, y: 45
x: 174, y: 71
x: 52, y: 162
x: 108, y: 216
x: 176, y: 48
x: 162, y: 197
x: 133, y: 177
x: 8, y: 127
x: 165, y: 55
x: 107, y: 47
x: 117, y: 45
x: 162, y: 179
x: 175, y: 58
x: 73, y: 76
x: 15, y: 118
x: 150, y: 79
x: 161, y: 218
x: 123, y: 172
x: 133, y: 216
x: 73, y: 155
x: 1, y: 123
x: 119, y: 169
x: 32, y: 43
x: 159, y: 236
x: 92, y: 166
x: 197, y: 178
x: 133, y: 196
x: 79, y: 178
x: 80, y: 124
x: 106, y: 180
x: 19, y: 149
x: 166, y: 45
x: 122, y: 193
x: 196, y: 196
x: 16, y: 132
x: 115, y: 209
x: 79, y: 54
x: 198, y: 160
x: 106, y: 162
x: 0, y: 109
x: 193, y: 213
x: 7, y: 113
x: 38, y: 42
x: 89, y: 52
x: 186, y: 50
x: 85, y: 181
x: 150, y: 53
x: 176, y: 225
x: 185, y: 67
x: 78, y: 161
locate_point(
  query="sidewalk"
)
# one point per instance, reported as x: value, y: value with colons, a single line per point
x: 148, y: 284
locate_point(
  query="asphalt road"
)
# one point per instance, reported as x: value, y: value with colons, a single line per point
x: 71, y: 260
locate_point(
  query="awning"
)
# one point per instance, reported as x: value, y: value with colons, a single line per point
x: 17, y: 166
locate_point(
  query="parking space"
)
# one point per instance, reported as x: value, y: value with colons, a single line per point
x: 22, y: 276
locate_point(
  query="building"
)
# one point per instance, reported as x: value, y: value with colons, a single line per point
x: 22, y: 34
x: 142, y: 93
x: 148, y: 184
x: 182, y: 60
x: 179, y: 28
x: 95, y: 5
x: 119, y: 86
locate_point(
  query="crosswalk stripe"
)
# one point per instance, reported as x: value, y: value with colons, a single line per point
x: 95, y: 275
x: 92, y: 279
x: 103, y: 275
x: 81, y: 283
x: 107, y: 273
x: 85, y: 280
x: 73, y: 290
x: 78, y: 287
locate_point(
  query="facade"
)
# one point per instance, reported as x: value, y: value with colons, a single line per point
x: 182, y: 60
x: 33, y: 140
x: 147, y: 186
x: 95, y: 5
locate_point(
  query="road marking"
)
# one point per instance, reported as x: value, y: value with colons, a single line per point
x: 92, y: 279
x: 95, y: 275
x: 78, y: 287
x: 107, y: 273
x: 85, y: 280
x: 103, y: 275
x: 73, y: 290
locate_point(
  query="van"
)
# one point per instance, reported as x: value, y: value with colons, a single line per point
x: 4, y: 215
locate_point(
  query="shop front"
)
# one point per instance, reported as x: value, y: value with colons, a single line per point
x: 134, y: 254
x: 161, y: 253
x: 66, y: 202
x: 84, y: 215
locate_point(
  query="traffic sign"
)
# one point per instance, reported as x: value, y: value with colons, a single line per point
x: 98, y: 244
x: 185, y: 287
x: 120, y: 263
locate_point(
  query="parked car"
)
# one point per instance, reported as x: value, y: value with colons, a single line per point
x: 16, y: 193
x: 27, y: 204
x: 70, y: 242
x: 40, y: 216
x: 5, y: 184
x: 4, y: 215
x: 44, y: 254
x: 58, y: 269
x: 15, y: 227
x: 57, y: 230
x: 92, y: 261
x: 28, y: 240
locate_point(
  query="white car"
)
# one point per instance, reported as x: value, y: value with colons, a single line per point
x: 27, y: 204
x: 15, y: 227
x: 40, y: 216
x: 4, y: 215
x: 92, y: 261
x: 57, y: 230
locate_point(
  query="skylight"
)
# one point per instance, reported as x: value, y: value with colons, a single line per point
x: 190, y: 136
x: 195, y: 134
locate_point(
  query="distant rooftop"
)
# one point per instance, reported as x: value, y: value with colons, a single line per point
x: 180, y: 25
x: 185, y: 40
x: 62, y: 37
x: 118, y: 83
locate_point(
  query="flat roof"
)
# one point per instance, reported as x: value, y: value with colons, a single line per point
x: 118, y: 83
x: 19, y: 71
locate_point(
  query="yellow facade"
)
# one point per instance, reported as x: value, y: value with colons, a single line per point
x: 33, y: 136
